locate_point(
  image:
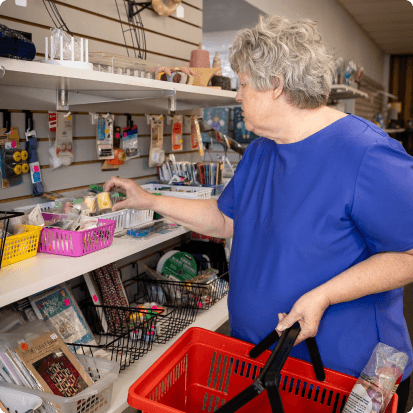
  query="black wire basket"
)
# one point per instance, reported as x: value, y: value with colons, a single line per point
x: 4, y: 220
x: 124, y: 334
x: 121, y: 334
x: 202, y: 295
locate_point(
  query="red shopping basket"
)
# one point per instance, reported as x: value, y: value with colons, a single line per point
x: 207, y: 372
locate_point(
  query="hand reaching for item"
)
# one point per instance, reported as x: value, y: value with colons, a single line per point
x: 308, y: 311
x: 136, y: 197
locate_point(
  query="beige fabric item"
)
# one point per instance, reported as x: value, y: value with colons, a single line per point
x: 165, y: 9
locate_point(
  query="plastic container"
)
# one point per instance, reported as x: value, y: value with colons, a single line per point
x: 44, y: 207
x: 188, y: 192
x: 96, y: 398
x: 119, y: 216
x: 203, y: 370
x: 216, y: 189
x: 18, y: 401
x: 76, y: 243
x: 22, y: 246
x: 136, y: 217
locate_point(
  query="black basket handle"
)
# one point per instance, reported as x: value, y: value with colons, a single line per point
x: 311, y: 342
x: 268, y: 378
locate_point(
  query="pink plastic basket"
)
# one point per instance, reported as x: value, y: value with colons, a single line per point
x: 76, y: 243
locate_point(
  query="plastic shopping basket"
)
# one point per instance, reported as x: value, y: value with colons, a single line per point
x: 17, y: 247
x: 207, y: 372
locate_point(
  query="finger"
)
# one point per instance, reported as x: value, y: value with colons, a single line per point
x: 113, y: 182
x: 185, y: 70
x: 192, y: 72
x: 281, y: 316
x: 288, y: 321
x: 167, y: 71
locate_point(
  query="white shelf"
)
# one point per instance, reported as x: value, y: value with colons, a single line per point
x: 43, y: 271
x: 210, y: 320
x: 33, y: 85
x: 394, y: 130
x: 345, y: 92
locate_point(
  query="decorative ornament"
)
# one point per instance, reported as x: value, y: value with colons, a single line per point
x: 217, y: 63
x: 165, y: 9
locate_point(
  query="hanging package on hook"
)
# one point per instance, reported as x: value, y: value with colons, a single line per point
x: 156, y: 152
x: 130, y: 142
x: 177, y: 141
x: 104, y: 136
x: 31, y: 148
x: 64, y: 136
x: 61, y: 152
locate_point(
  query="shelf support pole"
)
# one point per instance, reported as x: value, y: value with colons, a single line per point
x: 62, y: 99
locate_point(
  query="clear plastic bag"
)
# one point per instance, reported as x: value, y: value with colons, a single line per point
x: 378, y: 381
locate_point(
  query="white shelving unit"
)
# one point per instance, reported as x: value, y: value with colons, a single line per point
x: 345, y: 92
x: 36, y: 86
x: 33, y: 275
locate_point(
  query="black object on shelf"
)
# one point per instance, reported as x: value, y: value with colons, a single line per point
x: 5, y: 219
x: 201, y: 295
x: 127, y: 333
x: 124, y: 341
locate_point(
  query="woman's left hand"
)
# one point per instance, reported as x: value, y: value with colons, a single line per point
x: 308, y: 311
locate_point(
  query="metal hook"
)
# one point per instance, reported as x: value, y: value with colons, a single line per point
x: 129, y: 121
x: 6, y: 120
x: 29, y: 125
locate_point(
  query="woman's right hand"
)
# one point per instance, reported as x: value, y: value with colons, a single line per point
x: 136, y: 197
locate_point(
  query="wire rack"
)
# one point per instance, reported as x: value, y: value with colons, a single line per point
x: 202, y: 295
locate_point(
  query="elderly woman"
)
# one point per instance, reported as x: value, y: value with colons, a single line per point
x: 320, y: 208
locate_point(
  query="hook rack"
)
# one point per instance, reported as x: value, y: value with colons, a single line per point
x: 28, y: 122
x: 6, y: 120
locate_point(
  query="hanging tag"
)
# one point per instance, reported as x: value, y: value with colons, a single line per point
x: 198, y: 136
x: 194, y: 139
x: 104, y: 137
x: 177, y: 141
x: 180, y: 12
x: 156, y: 152
x: 52, y: 121
x: 64, y: 136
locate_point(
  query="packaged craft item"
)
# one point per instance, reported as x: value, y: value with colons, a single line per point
x: 378, y: 381
x: 130, y: 142
x: 90, y: 201
x: 104, y: 202
x: 146, y: 312
x: 42, y: 361
x: 156, y: 152
x: 104, y: 137
x: 177, y: 141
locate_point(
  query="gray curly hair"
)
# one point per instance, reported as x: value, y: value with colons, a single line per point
x: 277, y: 49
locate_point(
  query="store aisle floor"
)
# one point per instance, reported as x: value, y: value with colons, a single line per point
x: 408, y: 313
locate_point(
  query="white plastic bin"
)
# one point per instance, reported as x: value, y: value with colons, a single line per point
x: 96, y: 398
x: 44, y: 207
x: 119, y: 216
x: 188, y: 192
x: 136, y: 217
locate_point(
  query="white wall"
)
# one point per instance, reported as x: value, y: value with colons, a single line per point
x: 341, y: 34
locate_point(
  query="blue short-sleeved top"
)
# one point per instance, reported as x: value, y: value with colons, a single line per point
x: 303, y: 213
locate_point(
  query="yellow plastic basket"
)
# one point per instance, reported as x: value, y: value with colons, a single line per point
x: 22, y: 246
